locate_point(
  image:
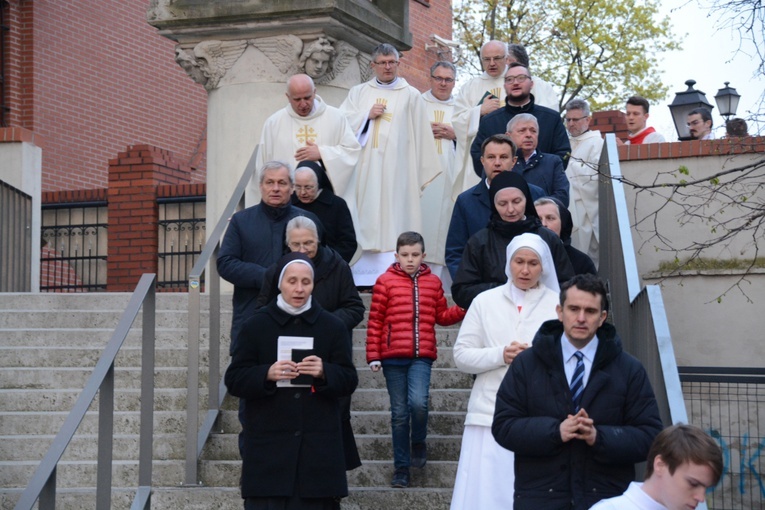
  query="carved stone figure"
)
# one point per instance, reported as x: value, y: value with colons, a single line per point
x: 317, y: 58
x: 210, y: 60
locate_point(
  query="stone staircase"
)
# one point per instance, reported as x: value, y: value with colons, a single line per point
x: 49, y: 344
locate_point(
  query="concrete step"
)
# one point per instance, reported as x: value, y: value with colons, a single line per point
x: 87, y: 338
x: 92, y: 319
x: 371, y: 447
x: 372, y: 473
x: 69, y: 357
x: 83, y: 473
x: 229, y: 498
x: 84, y: 447
x: 125, y: 422
x: 98, y: 301
x: 63, y: 399
x: 73, y: 377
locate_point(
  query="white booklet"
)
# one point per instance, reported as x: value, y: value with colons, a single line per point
x: 284, y: 348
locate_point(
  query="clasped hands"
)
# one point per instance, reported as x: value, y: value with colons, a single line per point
x: 285, y: 370
x: 578, y: 426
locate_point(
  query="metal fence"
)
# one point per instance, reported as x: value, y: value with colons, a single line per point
x: 74, y: 247
x: 15, y: 239
x: 181, y: 228
x: 729, y: 403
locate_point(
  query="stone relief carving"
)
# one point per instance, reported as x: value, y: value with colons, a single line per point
x: 210, y: 60
x: 283, y: 50
x: 317, y: 58
x: 324, y: 59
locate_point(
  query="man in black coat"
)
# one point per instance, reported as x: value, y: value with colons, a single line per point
x: 552, y: 134
x: 577, y: 411
x: 255, y: 240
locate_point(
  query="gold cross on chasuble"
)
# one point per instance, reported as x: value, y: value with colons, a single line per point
x: 306, y: 133
x: 384, y: 116
x: 438, y: 117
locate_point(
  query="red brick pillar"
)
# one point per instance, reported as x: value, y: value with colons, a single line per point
x: 133, y: 212
x: 610, y: 121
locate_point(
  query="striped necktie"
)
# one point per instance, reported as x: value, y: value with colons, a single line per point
x: 577, y: 381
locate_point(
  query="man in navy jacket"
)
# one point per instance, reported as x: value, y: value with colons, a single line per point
x: 553, y: 138
x: 255, y: 240
x: 577, y: 411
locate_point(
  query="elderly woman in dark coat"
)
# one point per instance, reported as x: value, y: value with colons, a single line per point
x: 484, y: 259
x: 335, y: 291
x: 292, y: 457
x: 314, y: 193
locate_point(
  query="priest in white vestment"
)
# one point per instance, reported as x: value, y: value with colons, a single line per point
x: 582, y: 172
x: 478, y: 97
x: 398, y: 159
x: 308, y: 129
x: 437, y: 203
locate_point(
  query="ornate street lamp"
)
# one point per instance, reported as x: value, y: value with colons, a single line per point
x: 682, y: 105
x: 727, y: 101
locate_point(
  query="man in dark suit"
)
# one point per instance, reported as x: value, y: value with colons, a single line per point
x: 577, y: 411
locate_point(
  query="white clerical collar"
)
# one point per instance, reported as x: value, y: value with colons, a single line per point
x: 430, y: 97
x: 391, y: 85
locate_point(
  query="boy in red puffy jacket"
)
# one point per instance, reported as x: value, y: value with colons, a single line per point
x: 407, y: 302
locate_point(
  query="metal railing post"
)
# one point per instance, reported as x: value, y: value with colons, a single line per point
x: 196, y: 436
x: 105, y: 441
x: 145, y: 454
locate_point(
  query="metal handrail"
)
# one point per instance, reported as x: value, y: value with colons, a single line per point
x: 638, y: 310
x: 197, y: 437
x: 42, y: 486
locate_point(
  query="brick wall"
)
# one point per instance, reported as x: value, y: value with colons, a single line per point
x: 426, y: 17
x: 134, y: 178
x: 610, y: 121
x: 92, y: 77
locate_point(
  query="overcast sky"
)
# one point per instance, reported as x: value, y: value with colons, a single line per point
x: 707, y: 56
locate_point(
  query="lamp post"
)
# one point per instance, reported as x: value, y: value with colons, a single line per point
x: 727, y: 101
x: 683, y: 104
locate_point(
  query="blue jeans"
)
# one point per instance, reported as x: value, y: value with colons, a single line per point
x: 408, y: 388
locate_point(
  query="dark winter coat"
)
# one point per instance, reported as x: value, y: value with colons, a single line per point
x: 254, y: 240
x: 545, y: 171
x: 534, y: 398
x: 404, y: 312
x: 484, y: 261
x: 333, y: 287
x: 553, y: 138
x: 336, y: 218
x: 292, y: 440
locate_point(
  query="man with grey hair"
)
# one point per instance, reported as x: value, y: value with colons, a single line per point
x: 477, y: 98
x: 255, y: 239
x: 519, y: 99
x: 586, y: 146
x: 437, y: 200
x: 397, y: 159
x: 538, y: 168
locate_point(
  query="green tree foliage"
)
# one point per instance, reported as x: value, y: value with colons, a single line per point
x: 599, y: 50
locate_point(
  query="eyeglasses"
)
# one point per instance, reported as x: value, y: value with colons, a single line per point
x: 442, y: 80
x: 493, y: 59
x: 387, y: 64
x: 304, y: 188
x: 572, y: 119
x: 517, y: 79
x: 307, y: 245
